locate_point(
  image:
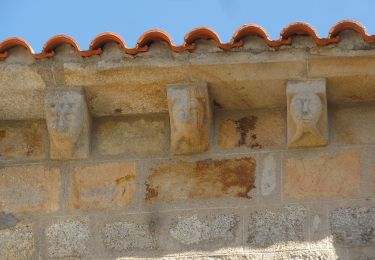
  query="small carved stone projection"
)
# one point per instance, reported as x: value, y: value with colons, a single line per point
x: 68, y: 123
x: 190, y: 117
x: 307, y: 113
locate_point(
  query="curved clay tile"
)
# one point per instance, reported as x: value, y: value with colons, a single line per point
x: 100, y: 40
x: 300, y: 28
x: 15, y: 42
x: 206, y: 33
x: 155, y: 35
x: 351, y: 25
x: 256, y: 30
x: 58, y: 40
x: 55, y: 41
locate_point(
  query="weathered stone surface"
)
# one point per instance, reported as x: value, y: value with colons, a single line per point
x: 354, y: 125
x: 21, y: 92
x: 138, y: 136
x: 17, y: 243
x: 7, y: 220
x: 324, y: 175
x: 349, y: 77
x: 268, y: 180
x: 277, y: 229
x: 103, y: 185
x: 302, y: 255
x: 257, y: 130
x: 67, y: 238
x: 190, y: 117
x: 31, y: 188
x: 22, y: 140
x: 68, y: 123
x: 353, y: 226
x: 201, y: 180
x: 123, y: 236
x: 307, y: 113
x: 193, y: 230
x: 361, y: 253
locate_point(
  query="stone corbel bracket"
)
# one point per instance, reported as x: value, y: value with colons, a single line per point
x: 307, y: 113
x: 190, y: 114
x: 68, y: 123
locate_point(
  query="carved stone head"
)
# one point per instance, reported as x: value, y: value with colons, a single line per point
x: 189, y: 112
x: 306, y: 108
x: 307, y: 113
x: 67, y: 122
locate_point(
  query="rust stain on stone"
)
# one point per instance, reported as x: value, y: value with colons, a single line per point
x: 151, y: 192
x: 202, y: 180
x: 3, y: 133
x: 244, y: 125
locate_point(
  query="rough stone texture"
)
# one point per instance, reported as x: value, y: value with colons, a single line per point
x: 324, y: 175
x: 307, y: 113
x: 137, y: 136
x: 353, y: 226
x: 302, y: 255
x: 67, y: 238
x: 192, y: 230
x: 190, y: 117
x: 268, y: 180
x: 68, y: 123
x: 7, y: 220
x: 354, y: 125
x: 29, y: 188
x: 123, y: 236
x: 17, y: 243
x: 21, y: 89
x: 277, y: 229
x: 255, y: 130
x: 103, y: 185
x: 22, y: 140
x: 201, y: 180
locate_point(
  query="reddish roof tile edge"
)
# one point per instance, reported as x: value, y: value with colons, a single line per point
x: 205, y: 33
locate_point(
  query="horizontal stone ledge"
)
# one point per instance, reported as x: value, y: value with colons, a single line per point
x: 236, y: 80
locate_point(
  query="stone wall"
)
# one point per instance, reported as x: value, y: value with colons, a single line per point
x: 249, y: 195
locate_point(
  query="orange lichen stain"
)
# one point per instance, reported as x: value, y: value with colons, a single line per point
x: 202, y: 180
x: 3, y: 133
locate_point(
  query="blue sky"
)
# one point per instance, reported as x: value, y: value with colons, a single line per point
x: 38, y: 20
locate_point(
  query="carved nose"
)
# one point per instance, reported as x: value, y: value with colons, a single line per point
x: 62, y: 123
x: 305, y: 108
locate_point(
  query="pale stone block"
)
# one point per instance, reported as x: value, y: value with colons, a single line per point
x: 192, y: 230
x: 190, y: 117
x: 22, y: 140
x: 277, y: 229
x: 17, y: 243
x: 68, y: 238
x: 125, y: 236
x: 201, y: 180
x: 324, y: 175
x: 106, y: 185
x: 353, y: 226
x: 354, y: 124
x: 307, y: 113
x: 68, y: 123
x: 29, y: 189
x: 132, y: 136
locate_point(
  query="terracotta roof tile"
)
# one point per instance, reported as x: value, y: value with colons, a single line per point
x: 190, y: 38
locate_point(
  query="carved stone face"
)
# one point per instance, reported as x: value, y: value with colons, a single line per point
x: 187, y: 110
x: 306, y: 109
x: 64, y: 114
